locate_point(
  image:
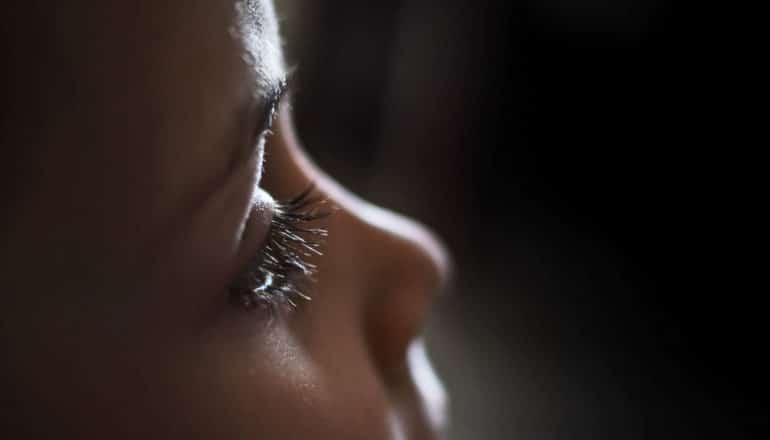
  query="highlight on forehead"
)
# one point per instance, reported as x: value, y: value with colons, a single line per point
x: 257, y: 29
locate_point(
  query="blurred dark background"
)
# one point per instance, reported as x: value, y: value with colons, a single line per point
x: 560, y: 147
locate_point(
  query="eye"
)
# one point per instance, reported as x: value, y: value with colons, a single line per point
x: 277, y: 276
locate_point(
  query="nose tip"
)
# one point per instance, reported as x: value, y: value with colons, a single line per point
x: 420, y: 246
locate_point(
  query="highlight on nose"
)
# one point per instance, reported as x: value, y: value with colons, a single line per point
x: 423, y: 239
x: 415, y: 248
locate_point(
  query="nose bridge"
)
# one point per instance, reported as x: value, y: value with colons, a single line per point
x: 405, y: 265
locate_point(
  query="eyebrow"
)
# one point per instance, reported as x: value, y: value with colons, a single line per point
x: 253, y: 119
x: 271, y: 102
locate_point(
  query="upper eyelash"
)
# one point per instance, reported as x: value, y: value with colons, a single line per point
x: 275, y: 277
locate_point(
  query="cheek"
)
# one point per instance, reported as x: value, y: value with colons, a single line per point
x: 249, y: 380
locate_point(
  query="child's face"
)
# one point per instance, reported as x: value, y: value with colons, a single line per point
x: 120, y: 325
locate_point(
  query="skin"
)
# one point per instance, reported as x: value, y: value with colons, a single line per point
x: 129, y: 211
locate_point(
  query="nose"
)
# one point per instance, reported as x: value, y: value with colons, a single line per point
x: 395, y: 265
x: 385, y: 268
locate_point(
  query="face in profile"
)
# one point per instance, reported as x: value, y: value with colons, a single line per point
x: 174, y: 264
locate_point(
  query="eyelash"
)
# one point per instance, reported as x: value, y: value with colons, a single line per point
x: 276, y: 276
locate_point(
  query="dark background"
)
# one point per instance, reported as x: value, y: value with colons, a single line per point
x: 575, y: 157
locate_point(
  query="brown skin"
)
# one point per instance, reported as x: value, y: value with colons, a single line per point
x: 120, y: 235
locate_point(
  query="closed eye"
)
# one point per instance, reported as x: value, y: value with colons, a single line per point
x: 274, y: 276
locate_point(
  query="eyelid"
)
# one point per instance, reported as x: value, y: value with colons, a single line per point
x: 257, y: 221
